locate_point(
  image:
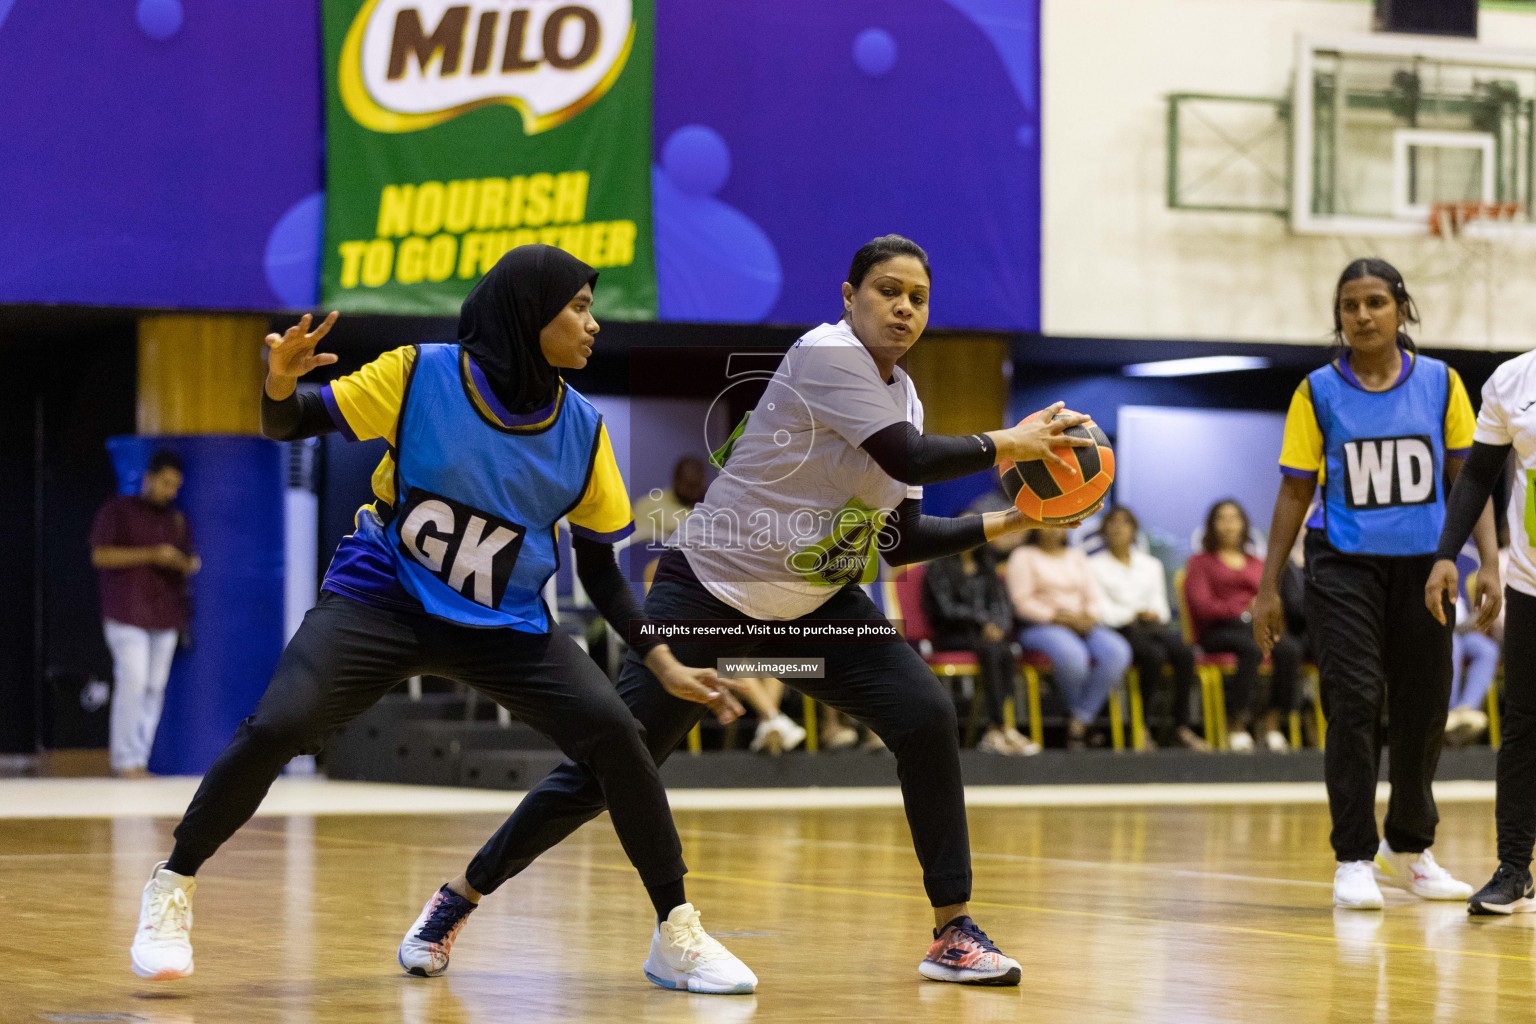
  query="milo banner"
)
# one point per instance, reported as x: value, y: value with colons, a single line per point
x: 456, y: 131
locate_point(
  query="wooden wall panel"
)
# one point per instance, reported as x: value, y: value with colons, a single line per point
x: 200, y: 374
x: 960, y: 379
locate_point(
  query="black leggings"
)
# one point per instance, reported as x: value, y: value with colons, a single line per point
x: 1515, y: 804
x: 1152, y: 648
x: 1243, y: 693
x: 1378, y: 647
x: 995, y: 661
x: 883, y: 684
x: 347, y: 654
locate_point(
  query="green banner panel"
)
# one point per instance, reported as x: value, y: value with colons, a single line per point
x: 456, y: 131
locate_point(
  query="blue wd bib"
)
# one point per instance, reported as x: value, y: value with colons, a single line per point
x: 1385, y: 459
x: 473, y: 533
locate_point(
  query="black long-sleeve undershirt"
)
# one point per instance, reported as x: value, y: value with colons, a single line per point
x: 912, y: 457
x: 598, y: 570
x: 300, y: 415
x: 909, y: 536
x: 1474, y: 486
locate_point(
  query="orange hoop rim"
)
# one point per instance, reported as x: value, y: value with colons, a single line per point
x: 1448, y: 218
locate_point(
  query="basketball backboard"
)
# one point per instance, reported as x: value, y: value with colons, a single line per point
x: 1386, y: 127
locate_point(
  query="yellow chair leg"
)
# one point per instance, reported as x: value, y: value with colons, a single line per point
x: 1116, y: 720
x: 1495, y: 737
x: 1221, y: 711
x: 1208, y: 706
x: 812, y: 723
x: 1138, y: 718
x: 1032, y: 695
x: 1295, y: 721
x: 1010, y: 718
x: 695, y: 740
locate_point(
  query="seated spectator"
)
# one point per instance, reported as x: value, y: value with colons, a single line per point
x: 1474, y: 662
x: 1220, y: 583
x: 1133, y: 590
x: 1054, y: 593
x: 776, y: 732
x: 968, y: 608
x: 657, y: 512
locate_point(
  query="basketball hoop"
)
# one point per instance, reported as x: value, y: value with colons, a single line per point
x: 1447, y: 219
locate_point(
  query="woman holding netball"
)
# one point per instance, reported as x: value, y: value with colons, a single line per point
x: 489, y: 447
x: 1506, y: 421
x: 1380, y: 427
x: 824, y: 473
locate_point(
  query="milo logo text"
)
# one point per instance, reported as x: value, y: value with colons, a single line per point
x: 411, y: 64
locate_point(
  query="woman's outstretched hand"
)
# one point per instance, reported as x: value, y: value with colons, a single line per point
x: 292, y: 355
x: 1035, y: 436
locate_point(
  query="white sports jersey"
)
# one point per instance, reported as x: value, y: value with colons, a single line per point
x: 1508, y: 416
x: 793, y: 515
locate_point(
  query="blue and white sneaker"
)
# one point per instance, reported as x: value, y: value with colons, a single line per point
x: 424, y: 950
x: 685, y: 957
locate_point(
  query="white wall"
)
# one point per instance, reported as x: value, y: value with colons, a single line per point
x: 1118, y: 263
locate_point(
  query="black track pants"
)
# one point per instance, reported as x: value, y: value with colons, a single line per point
x: 347, y: 654
x: 1378, y: 646
x: 1515, y: 805
x: 883, y: 684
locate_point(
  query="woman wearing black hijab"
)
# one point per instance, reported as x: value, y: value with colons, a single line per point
x: 489, y: 448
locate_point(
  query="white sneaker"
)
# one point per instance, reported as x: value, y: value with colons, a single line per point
x: 994, y: 741
x: 1240, y: 742
x: 425, y: 948
x: 1022, y: 744
x: 162, y: 947
x: 840, y: 738
x: 684, y: 957
x: 776, y: 735
x: 1354, y: 886
x: 1276, y: 742
x: 1419, y: 874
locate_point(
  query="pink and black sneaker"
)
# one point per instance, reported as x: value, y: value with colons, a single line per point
x: 962, y: 952
x: 425, y: 948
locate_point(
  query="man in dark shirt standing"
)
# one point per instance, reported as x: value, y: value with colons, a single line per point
x: 143, y: 548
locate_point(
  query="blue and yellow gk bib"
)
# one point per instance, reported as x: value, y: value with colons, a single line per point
x: 473, y: 529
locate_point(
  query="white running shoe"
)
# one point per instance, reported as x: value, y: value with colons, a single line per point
x: 1354, y: 886
x: 1419, y: 874
x: 1276, y: 742
x: 684, y: 957
x: 162, y: 947
x: 1240, y: 742
x: 994, y: 741
x: 776, y: 735
x: 425, y: 948
x: 1022, y: 744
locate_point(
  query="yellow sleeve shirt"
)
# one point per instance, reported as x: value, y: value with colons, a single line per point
x: 366, y: 404
x: 603, y: 513
x: 1301, y: 452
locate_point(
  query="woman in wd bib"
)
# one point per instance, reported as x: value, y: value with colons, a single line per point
x: 823, y: 473
x: 1382, y: 429
x: 489, y: 448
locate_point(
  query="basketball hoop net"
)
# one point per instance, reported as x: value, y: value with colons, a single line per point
x: 1447, y: 219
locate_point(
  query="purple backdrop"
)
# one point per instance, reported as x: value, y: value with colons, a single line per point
x: 789, y: 133
x: 155, y: 153
x: 168, y: 153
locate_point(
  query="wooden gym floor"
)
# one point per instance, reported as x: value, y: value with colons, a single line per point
x: 1179, y: 913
